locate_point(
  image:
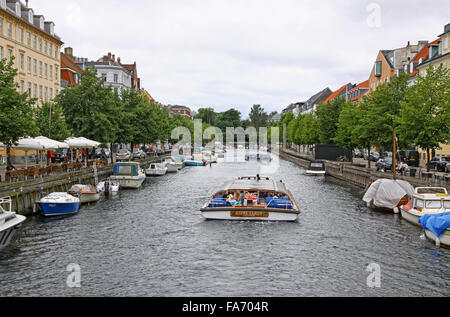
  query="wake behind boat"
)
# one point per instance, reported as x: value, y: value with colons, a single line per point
x: 254, y: 199
x: 9, y: 222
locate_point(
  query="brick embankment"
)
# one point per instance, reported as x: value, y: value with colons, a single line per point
x: 24, y: 194
x: 361, y: 176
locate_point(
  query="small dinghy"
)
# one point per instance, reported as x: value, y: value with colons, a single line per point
x: 388, y: 195
x: 86, y: 193
x: 109, y: 187
x: 172, y: 165
x: 9, y: 222
x: 59, y: 204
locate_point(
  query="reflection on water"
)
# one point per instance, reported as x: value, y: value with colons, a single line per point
x: 154, y: 242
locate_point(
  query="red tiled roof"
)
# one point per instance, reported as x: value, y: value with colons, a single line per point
x: 364, y: 84
x: 336, y: 93
x: 422, y: 54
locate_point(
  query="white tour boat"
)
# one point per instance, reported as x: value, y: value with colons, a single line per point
x: 426, y: 201
x: 9, y: 222
x: 254, y: 199
x: 157, y: 169
x: 128, y: 175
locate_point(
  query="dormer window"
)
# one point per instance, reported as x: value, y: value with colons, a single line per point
x: 3, y: 4
x: 18, y: 9
x: 378, y: 69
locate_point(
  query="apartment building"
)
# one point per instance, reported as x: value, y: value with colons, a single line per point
x: 35, y: 47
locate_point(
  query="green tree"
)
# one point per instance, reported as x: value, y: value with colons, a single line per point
x: 207, y: 115
x: 425, y: 114
x: 258, y: 117
x: 327, y: 119
x: 51, y: 122
x: 16, y: 109
x: 228, y: 119
x: 91, y: 110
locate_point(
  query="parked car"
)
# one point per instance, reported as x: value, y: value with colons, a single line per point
x: 139, y: 154
x: 412, y: 157
x: 123, y: 155
x: 358, y: 153
x: 439, y: 163
x: 375, y: 156
x: 447, y: 167
x: 102, y: 154
x: 384, y: 164
x: 59, y: 157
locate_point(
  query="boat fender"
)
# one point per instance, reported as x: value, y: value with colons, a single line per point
x: 396, y: 210
x: 438, y: 242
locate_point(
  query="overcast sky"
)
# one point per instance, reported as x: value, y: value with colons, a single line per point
x: 236, y: 53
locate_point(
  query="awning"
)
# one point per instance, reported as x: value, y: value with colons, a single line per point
x: 82, y: 143
x: 50, y: 144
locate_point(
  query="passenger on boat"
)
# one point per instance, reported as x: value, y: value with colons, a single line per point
x: 232, y: 199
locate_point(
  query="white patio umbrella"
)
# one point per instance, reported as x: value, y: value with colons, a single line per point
x: 28, y: 144
x: 82, y: 143
x: 50, y: 144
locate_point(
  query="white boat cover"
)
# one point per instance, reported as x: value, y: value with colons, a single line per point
x: 388, y: 193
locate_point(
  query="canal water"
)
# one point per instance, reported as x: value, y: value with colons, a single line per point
x: 154, y: 242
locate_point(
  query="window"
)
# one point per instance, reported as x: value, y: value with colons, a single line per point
x: 56, y: 52
x: 419, y: 203
x: 51, y: 93
x: 447, y: 204
x: 21, y: 62
x: 51, y: 72
x: 46, y: 93
x: 45, y: 47
x: 40, y: 68
x: 1, y: 26
x: 20, y: 35
x: 34, y: 66
x: 433, y: 204
x: 116, y: 78
x: 1, y: 52
x: 50, y: 49
x: 9, y: 29
x: 45, y: 70
x: 40, y: 45
x: 104, y: 77
x: 29, y: 64
x: 29, y: 89
x: 34, y: 41
x: 34, y: 91
x: 40, y: 92
x: 22, y: 84
x: 10, y: 54
x: 378, y: 68
x: 56, y: 73
x: 28, y: 39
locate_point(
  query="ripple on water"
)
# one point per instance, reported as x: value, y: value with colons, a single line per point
x: 154, y: 242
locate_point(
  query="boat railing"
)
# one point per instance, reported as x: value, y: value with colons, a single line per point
x: 3, y: 201
x: 276, y: 203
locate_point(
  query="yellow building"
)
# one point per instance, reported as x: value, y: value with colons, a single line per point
x: 35, y: 46
x: 36, y: 49
x: 439, y: 54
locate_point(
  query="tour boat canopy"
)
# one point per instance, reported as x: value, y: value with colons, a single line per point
x: 253, y: 184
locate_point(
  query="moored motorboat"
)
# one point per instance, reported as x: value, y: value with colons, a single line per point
x: 195, y: 160
x: 86, y: 193
x: 59, y: 204
x: 172, y: 165
x: 388, y: 195
x: 157, y: 169
x: 9, y: 222
x: 128, y: 175
x: 426, y: 201
x: 179, y: 159
x: 109, y: 187
x: 437, y: 228
x: 316, y: 169
x: 253, y: 199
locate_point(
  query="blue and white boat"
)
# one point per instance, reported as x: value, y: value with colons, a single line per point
x: 195, y: 160
x: 59, y: 204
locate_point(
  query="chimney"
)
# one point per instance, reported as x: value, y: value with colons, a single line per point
x: 118, y: 60
x: 68, y: 51
x: 114, y: 58
x: 109, y: 55
x: 26, y: 3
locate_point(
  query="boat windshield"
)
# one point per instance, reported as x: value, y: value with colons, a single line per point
x: 433, y: 204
